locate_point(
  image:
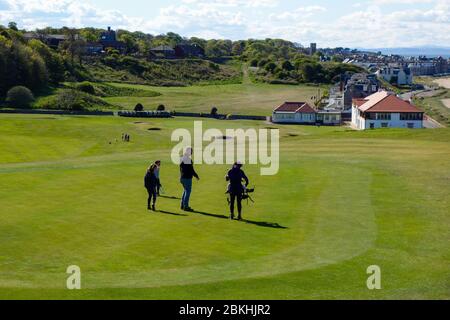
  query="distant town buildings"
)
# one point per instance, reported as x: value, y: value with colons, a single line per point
x: 360, y: 85
x: 399, y: 76
x: 385, y: 110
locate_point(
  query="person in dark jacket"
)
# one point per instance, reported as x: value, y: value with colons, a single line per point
x: 151, y: 183
x: 187, y: 172
x: 236, y: 176
x: 158, y: 181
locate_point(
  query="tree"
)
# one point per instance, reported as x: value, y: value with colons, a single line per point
x: 161, y: 107
x: 270, y: 67
x: 214, y: 111
x: 139, y: 107
x: 53, y: 61
x: 73, y: 45
x: 19, y: 97
x: 130, y: 42
x: 287, y: 65
x: 13, y: 26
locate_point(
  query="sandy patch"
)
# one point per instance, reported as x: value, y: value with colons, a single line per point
x: 444, y: 82
x: 446, y: 103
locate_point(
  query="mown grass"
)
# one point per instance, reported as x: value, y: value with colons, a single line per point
x: 71, y: 192
x: 247, y: 98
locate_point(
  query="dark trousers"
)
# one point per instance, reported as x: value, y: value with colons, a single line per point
x: 236, y: 197
x: 151, y: 196
x: 158, y: 186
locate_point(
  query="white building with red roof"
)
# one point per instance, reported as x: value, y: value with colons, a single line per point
x: 385, y: 110
x: 294, y: 112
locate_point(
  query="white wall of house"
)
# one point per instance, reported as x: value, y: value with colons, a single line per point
x: 388, y: 73
x: 291, y: 117
x: 360, y: 123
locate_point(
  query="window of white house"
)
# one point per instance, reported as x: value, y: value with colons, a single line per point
x: 383, y: 116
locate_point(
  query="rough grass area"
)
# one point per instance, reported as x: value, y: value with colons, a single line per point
x: 435, y: 107
x: 161, y: 72
x: 247, y: 98
x: 71, y: 192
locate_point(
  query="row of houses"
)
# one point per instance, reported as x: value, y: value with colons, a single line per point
x: 108, y: 40
x: 379, y: 110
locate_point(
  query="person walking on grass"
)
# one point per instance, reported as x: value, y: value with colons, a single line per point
x: 235, y: 188
x: 158, y: 181
x: 151, y: 183
x: 187, y: 172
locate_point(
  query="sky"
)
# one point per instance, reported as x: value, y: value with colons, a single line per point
x: 329, y: 23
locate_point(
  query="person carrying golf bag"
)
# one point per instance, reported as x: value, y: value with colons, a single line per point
x: 235, y: 188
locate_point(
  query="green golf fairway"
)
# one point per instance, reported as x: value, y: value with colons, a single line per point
x: 71, y: 193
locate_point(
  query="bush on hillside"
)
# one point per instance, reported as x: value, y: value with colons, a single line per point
x: 86, y: 87
x: 214, y: 111
x: 161, y: 107
x: 19, y: 97
x: 139, y: 107
x: 72, y: 100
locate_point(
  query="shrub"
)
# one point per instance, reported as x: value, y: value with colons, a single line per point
x: 254, y: 63
x: 161, y: 107
x: 139, y: 107
x: 86, y: 87
x: 19, y: 97
x: 229, y: 116
x: 70, y: 100
x: 214, y: 111
x: 75, y: 100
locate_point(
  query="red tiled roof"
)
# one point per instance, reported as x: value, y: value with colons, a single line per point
x: 295, y: 107
x: 392, y: 103
x: 359, y: 102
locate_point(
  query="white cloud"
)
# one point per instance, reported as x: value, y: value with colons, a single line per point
x: 373, y: 23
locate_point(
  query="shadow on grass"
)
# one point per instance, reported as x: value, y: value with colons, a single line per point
x: 173, y: 213
x: 256, y: 223
x: 170, y: 197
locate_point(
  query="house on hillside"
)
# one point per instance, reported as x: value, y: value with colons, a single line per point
x: 108, y: 39
x: 163, y: 52
x: 52, y: 40
x: 294, y: 112
x: 385, y: 110
x: 93, y: 48
x: 189, y: 51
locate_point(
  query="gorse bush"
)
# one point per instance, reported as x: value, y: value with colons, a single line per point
x: 19, y: 97
x: 86, y: 87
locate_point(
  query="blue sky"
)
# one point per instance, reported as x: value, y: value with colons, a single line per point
x: 359, y: 23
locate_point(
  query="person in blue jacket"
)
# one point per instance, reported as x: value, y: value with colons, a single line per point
x: 187, y: 172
